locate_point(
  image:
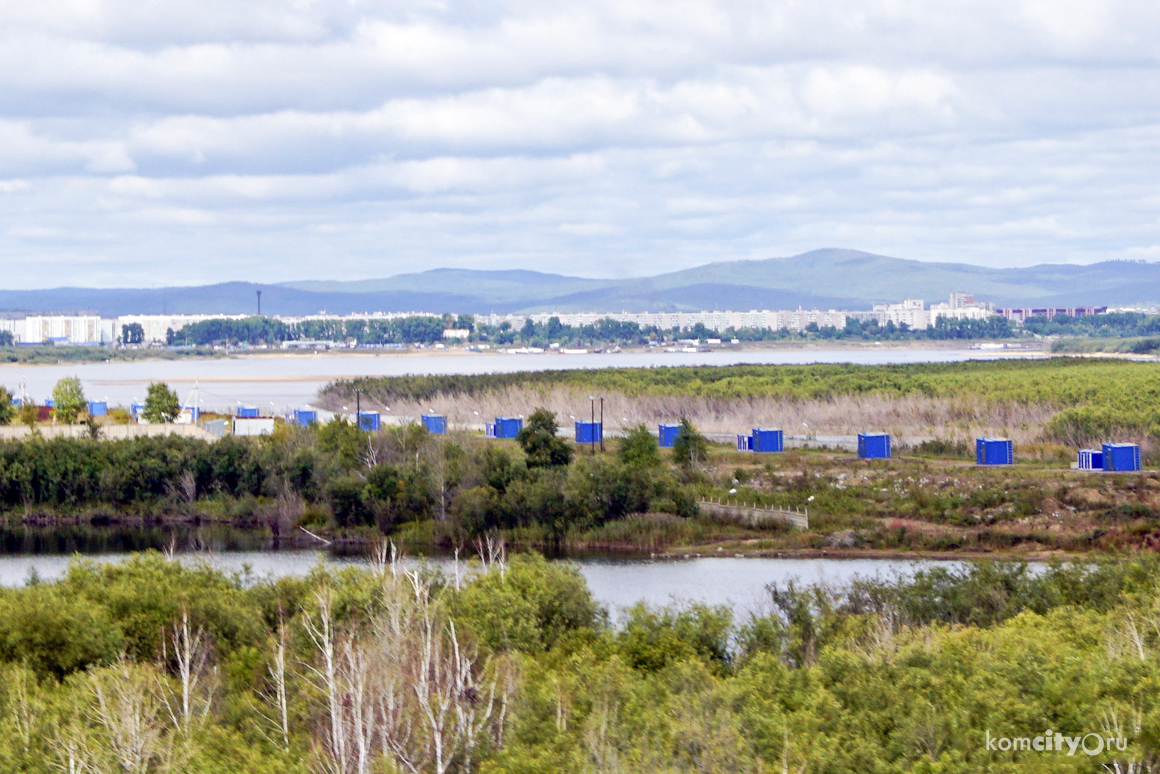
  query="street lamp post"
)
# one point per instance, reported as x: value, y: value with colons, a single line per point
x: 592, y: 425
x: 602, y: 424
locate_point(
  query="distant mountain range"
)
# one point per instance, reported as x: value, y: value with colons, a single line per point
x: 831, y: 278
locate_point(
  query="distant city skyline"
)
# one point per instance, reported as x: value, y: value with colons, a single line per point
x: 144, y: 145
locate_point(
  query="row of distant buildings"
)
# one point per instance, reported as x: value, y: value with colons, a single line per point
x: 82, y: 329
x: 913, y: 313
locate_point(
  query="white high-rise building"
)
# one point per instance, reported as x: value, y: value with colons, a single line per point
x: 911, y: 313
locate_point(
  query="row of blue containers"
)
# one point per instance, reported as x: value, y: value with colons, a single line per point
x: 96, y: 408
x: 367, y: 420
x: 1111, y: 457
x: 763, y: 440
x: 1119, y: 457
x: 988, y: 451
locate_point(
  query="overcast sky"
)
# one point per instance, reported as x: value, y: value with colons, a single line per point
x: 151, y: 142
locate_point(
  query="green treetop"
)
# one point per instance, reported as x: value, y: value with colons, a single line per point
x: 540, y: 443
x: 7, y: 409
x: 69, y: 398
x: 161, y: 404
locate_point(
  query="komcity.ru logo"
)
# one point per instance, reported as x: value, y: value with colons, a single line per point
x: 1091, y: 744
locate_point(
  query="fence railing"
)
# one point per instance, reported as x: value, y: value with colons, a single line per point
x: 754, y: 514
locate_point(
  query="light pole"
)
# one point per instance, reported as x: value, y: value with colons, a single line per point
x: 602, y: 424
x: 592, y: 425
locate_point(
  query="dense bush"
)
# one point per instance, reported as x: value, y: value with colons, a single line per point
x: 511, y: 666
x: 378, y: 480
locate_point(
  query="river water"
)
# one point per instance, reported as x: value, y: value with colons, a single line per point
x: 279, y: 382
x: 736, y: 582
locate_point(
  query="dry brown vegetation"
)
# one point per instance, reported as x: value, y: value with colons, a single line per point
x: 946, y: 505
x: 911, y: 419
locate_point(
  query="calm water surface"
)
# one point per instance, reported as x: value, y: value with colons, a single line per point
x: 616, y: 583
x: 280, y: 382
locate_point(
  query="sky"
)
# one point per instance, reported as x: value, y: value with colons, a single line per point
x: 150, y: 142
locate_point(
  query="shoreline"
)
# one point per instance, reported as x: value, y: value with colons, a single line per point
x: 44, y: 528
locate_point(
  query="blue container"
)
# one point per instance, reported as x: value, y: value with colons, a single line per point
x: 1121, y: 456
x: 304, y: 417
x: 136, y: 408
x: 589, y: 432
x: 435, y: 424
x: 1090, y: 459
x: 766, y: 440
x: 504, y: 427
x: 667, y: 435
x: 369, y: 421
x: 745, y: 443
x: 994, y: 451
x: 98, y: 408
x: 247, y: 412
x: 50, y: 403
x: 874, y: 446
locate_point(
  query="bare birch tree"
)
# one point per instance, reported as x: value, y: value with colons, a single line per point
x: 405, y: 688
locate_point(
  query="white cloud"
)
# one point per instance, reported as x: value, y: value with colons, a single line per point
x: 155, y: 142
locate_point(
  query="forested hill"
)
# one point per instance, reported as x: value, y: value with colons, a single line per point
x: 830, y: 278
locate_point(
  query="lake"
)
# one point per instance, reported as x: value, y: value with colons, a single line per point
x: 616, y: 583
x: 279, y: 382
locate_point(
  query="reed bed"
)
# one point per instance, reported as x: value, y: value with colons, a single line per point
x: 1069, y: 400
x: 911, y: 419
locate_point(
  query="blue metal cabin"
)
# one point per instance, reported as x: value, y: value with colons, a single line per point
x: 766, y: 440
x: 745, y: 443
x: 874, y: 446
x: 589, y: 432
x: 135, y: 409
x: 1090, y: 459
x: 98, y: 408
x: 369, y: 421
x: 247, y: 412
x: 303, y: 417
x: 994, y: 451
x: 434, y: 423
x: 667, y: 435
x: 1121, y: 456
x: 505, y: 427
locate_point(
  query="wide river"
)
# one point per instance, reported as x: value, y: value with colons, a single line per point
x: 616, y: 583
x: 279, y: 382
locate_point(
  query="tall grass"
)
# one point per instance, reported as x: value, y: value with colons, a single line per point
x: 911, y: 419
x: 1068, y: 400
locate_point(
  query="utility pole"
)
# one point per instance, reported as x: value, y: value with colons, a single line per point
x: 602, y: 424
x: 358, y: 409
x: 592, y: 425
